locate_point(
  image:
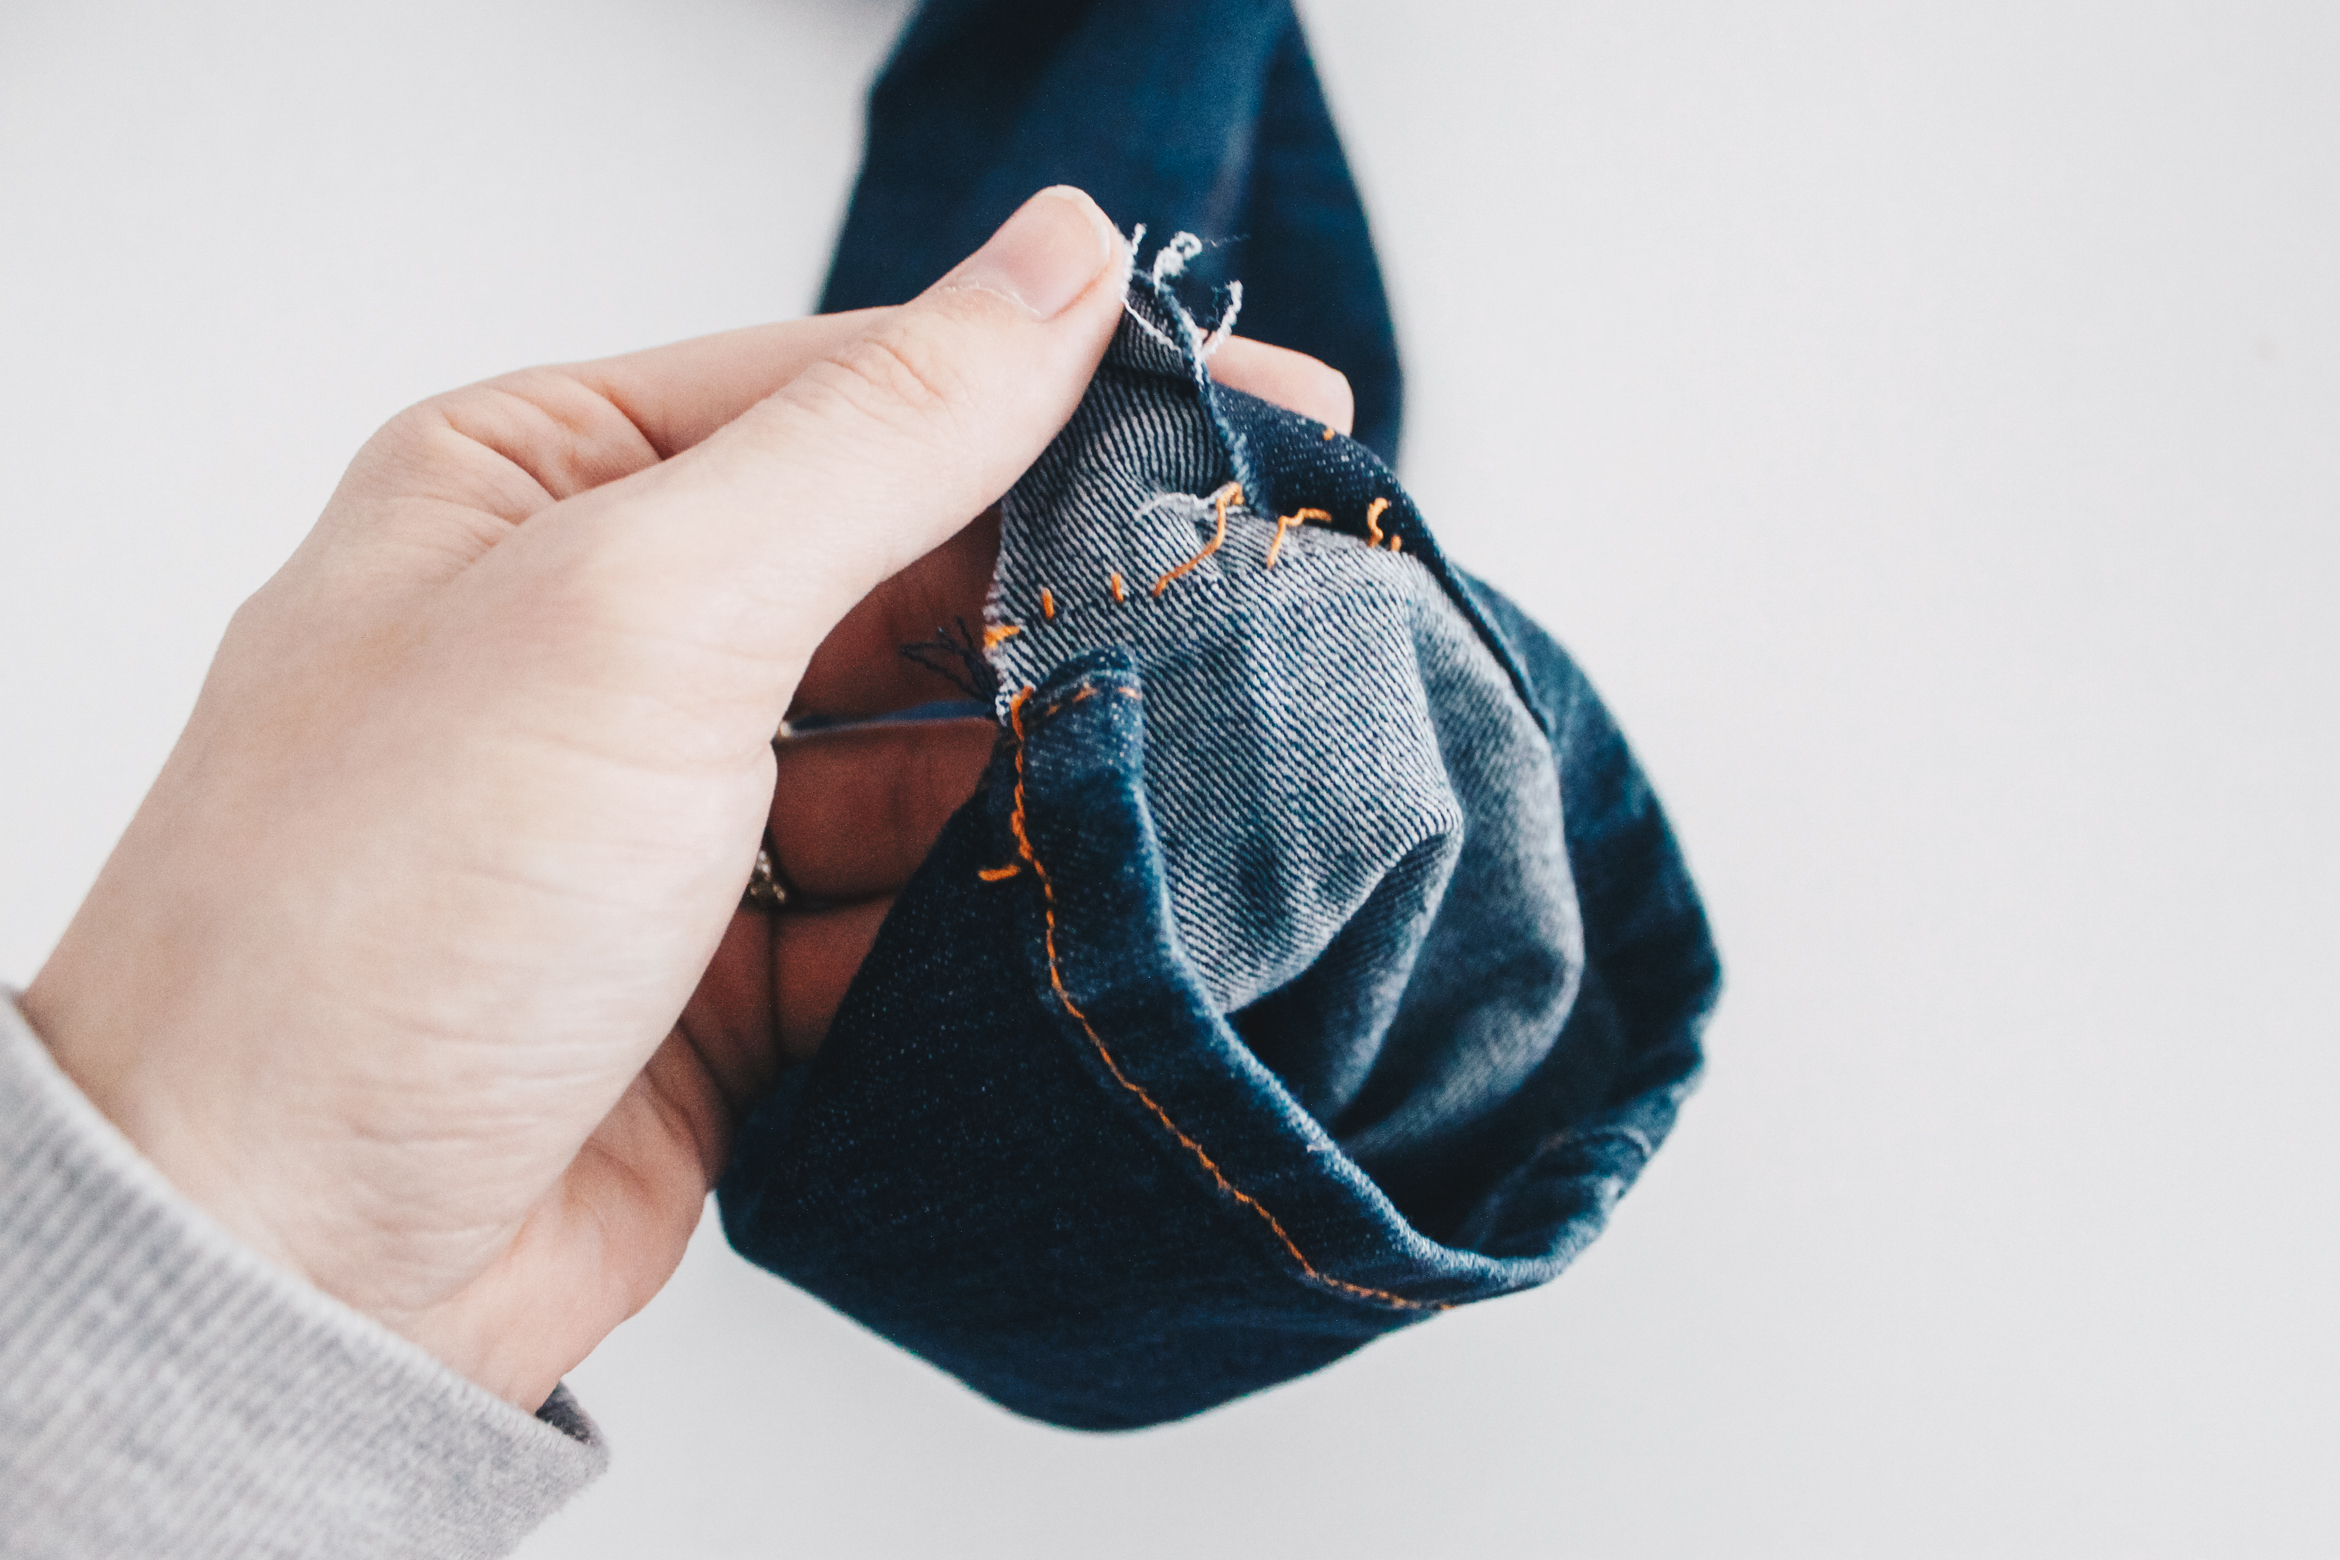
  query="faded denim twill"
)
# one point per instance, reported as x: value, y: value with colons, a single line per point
x: 1313, y: 958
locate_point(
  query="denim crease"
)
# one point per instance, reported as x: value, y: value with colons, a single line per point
x: 1313, y: 956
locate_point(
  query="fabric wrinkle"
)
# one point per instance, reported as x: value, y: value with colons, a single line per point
x: 1247, y: 1012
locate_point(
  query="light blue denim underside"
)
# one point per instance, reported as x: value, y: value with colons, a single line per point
x: 1359, y: 820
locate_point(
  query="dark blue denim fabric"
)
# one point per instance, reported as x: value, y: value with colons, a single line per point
x: 1314, y: 957
x: 1199, y: 116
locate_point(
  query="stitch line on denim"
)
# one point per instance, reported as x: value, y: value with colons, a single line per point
x: 1064, y: 996
x: 1231, y: 494
x: 1224, y: 503
x: 1197, y: 588
x: 1158, y: 292
x: 1286, y: 523
x: 1087, y: 691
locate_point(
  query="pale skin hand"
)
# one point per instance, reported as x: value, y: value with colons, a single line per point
x: 421, y: 967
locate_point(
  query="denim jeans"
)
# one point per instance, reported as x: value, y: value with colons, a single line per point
x: 1198, y: 116
x: 1312, y: 959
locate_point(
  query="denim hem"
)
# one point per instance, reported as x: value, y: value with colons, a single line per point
x: 1276, y: 990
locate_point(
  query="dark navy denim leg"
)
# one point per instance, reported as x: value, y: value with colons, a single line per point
x: 1198, y: 116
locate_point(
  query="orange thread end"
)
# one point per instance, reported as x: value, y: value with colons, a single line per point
x: 1291, y: 522
x: 1373, y: 521
x: 1118, y: 593
x: 1000, y: 874
x: 1328, y: 430
x: 1396, y: 542
x: 1232, y: 493
x: 1047, y: 604
x: 999, y: 634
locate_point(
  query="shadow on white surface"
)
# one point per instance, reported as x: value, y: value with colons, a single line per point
x: 1920, y: 422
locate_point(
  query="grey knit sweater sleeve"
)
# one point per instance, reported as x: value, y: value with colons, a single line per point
x: 165, y: 1391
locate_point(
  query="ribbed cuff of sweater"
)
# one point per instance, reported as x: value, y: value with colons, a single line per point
x: 164, y: 1390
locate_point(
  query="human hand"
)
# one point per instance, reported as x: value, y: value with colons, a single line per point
x: 469, y: 795
x: 857, y: 808
x: 386, y: 972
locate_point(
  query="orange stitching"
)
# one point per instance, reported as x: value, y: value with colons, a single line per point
x: 1118, y: 593
x: 1396, y: 541
x: 1292, y: 522
x: 1056, y: 980
x: 999, y: 635
x: 1328, y: 430
x: 999, y: 874
x: 1047, y: 604
x: 1232, y: 493
x: 1088, y: 691
x: 1373, y: 521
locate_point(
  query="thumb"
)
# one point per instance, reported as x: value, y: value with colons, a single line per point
x: 764, y: 534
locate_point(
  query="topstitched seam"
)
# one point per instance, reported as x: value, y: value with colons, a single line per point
x: 1225, y: 498
x: 1064, y: 996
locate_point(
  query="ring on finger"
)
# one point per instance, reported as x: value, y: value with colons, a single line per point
x: 766, y: 889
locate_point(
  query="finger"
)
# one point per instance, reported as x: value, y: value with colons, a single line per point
x: 679, y: 394
x: 935, y: 604
x: 728, y: 1022
x: 856, y: 810
x: 769, y: 995
x: 1293, y: 380
x: 815, y: 956
x: 755, y: 541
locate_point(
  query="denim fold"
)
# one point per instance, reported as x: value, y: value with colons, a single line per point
x: 1312, y: 958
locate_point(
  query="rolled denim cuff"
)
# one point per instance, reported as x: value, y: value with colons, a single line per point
x: 1313, y: 958
x: 1108, y: 1213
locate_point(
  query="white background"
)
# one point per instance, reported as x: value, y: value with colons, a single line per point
x: 1924, y: 422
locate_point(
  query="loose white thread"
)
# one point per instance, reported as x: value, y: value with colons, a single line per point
x: 1226, y: 326
x: 1137, y: 239
x: 1188, y: 507
x: 1146, y: 325
x: 1170, y: 260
